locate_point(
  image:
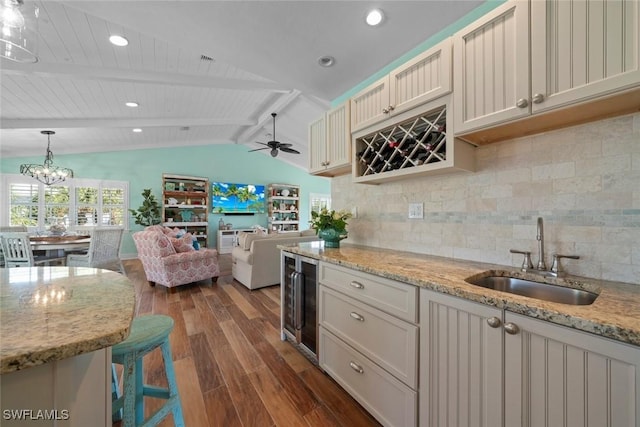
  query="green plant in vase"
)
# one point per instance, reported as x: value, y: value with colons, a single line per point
x: 330, y: 226
x: 149, y: 212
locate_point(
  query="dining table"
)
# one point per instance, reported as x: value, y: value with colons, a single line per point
x: 55, y: 248
x: 71, y: 242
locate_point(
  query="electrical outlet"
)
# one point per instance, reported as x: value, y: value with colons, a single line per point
x: 416, y: 211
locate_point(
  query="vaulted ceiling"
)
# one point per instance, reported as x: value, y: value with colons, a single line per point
x: 203, y: 72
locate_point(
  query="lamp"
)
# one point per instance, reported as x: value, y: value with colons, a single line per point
x: 47, y: 173
x: 18, y: 30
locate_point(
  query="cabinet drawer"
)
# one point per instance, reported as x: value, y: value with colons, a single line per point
x: 386, y: 398
x: 388, y: 341
x: 393, y: 297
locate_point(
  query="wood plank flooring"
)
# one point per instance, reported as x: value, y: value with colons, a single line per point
x: 232, y: 368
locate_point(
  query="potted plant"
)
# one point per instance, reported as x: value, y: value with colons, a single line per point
x: 330, y: 226
x: 149, y: 212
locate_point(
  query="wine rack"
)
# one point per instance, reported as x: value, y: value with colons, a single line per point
x: 418, y: 144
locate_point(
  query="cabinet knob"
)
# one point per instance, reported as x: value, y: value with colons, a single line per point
x: 522, y: 103
x: 494, y: 322
x: 385, y: 111
x: 356, y: 367
x: 356, y: 316
x: 357, y: 285
x: 511, y: 328
x: 537, y: 98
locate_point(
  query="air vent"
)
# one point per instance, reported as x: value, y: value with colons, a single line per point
x: 184, y: 128
x: 205, y: 58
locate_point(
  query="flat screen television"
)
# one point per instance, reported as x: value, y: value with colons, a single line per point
x: 231, y: 198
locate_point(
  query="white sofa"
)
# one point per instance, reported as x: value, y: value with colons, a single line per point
x: 256, y: 261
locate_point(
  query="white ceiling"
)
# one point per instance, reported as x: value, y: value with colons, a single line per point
x: 264, y: 60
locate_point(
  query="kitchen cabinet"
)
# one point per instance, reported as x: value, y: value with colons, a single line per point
x: 422, y: 79
x: 330, y: 143
x: 369, y: 341
x: 551, y: 374
x: 536, y: 65
x: 185, y: 204
x: 283, y: 203
x: 416, y: 143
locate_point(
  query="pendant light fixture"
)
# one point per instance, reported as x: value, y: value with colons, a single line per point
x: 18, y: 30
x: 47, y: 173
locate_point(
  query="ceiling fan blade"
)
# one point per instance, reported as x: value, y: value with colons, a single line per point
x: 259, y: 149
x: 289, y: 150
x: 284, y: 144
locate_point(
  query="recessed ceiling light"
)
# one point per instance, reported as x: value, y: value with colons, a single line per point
x: 326, y: 61
x: 375, y: 17
x: 118, y: 40
x: 137, y: 130
x: 131, y: 104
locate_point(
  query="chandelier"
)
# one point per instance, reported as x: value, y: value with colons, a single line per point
x: 47, y: 173
x: 18, y: 30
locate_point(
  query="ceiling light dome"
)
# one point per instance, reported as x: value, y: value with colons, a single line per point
x: 118, y: 40
x: 375, y: 17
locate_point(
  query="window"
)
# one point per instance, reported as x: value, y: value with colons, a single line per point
x: 76, y: 202
x: 318, y: 201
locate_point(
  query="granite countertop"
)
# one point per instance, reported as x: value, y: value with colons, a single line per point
x: 614, y: 314
x: 52, y: 313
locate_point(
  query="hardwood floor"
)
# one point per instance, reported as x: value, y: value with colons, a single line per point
x: 231, y: 366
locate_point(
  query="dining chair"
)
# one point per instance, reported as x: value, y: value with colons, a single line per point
x: 9, y: 229
x: 104, y: 250
x: 17, y: 252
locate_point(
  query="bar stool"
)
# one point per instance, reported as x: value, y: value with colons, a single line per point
x: 147, y: 333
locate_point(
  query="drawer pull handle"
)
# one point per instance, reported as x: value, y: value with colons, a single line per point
x: 357, y: 285
x: 494, y: 322
x: 356, y: 316
x: 356, y: 367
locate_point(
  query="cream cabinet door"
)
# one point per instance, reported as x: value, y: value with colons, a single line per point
x: 491, y: 68
x: 557, y: 376
x: 424, y: 78
x: 460, y: 362
x: 583, y: 49
x: 370, y: 105
x: 317, y: 145
x: 338, y: 137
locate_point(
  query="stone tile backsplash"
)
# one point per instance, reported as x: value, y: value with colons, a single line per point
x: 584, y: 181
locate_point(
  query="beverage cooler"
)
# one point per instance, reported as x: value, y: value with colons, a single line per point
x: 299, y: 297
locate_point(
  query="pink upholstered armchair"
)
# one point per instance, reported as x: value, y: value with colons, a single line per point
x: 165, y: 266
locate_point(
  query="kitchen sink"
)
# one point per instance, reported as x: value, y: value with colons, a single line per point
x: 537, y: 290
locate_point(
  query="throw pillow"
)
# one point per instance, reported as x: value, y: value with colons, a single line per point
x: 183, y: 244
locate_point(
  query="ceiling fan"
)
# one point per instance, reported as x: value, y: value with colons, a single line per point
x: 274, y: 145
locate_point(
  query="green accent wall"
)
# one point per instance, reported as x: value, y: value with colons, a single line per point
x: 476, y: 13
x: 144, y: 169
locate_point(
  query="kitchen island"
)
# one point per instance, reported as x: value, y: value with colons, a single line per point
x: 57, y: 326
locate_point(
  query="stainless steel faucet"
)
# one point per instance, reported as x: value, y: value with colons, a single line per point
x: 540, y: 237
x: 556, y: 269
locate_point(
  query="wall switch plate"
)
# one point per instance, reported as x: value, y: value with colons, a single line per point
x: 354, y: 212
x: 416, y: 211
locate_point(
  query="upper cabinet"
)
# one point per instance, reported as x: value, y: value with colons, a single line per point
x: 512, y: 64
x: 424, y: 78
x: 582, y: 49
x: 330, y: 143
x: 491, y: 68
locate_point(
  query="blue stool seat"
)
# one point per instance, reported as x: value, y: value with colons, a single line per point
x: 147, y: 333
